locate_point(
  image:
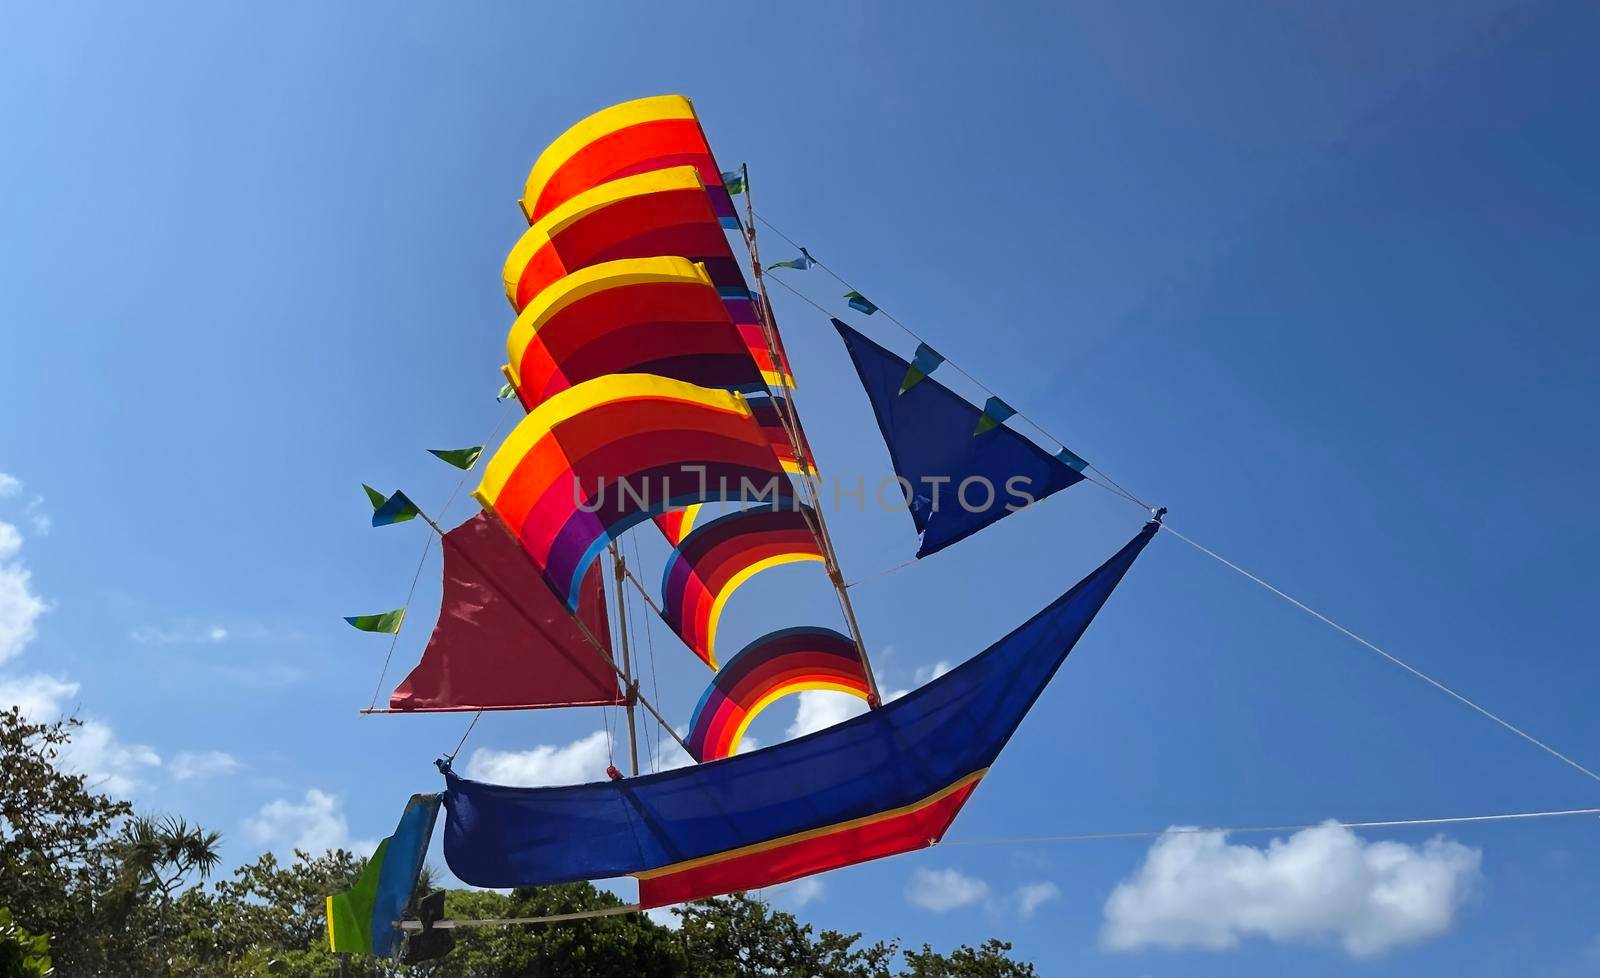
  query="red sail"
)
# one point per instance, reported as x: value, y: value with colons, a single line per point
x: 504, y: 641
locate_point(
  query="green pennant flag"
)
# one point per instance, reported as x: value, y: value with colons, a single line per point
x: 925, y: 362
x: 506, y: 390
x: 995, y: 413
x: 388, y: 622
x: 396, y: 509
x: 374, y: 495
x: 461, y: 458
x: 733, y: 181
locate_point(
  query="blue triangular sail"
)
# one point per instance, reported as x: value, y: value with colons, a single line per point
x: 938, y: 441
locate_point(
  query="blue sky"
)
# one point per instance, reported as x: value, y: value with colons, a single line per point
x: 1317, y: 278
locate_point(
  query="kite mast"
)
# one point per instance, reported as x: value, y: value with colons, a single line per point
x: 790, y: 416
x: 630, y: 688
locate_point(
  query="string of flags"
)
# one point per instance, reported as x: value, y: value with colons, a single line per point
x: 398, y: 508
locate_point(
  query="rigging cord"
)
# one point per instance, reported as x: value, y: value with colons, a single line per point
x: 422, y: 560
x: 1112, y: 486
x: 650, y: 646
x: 464, y: 734
x: 1192, y: 830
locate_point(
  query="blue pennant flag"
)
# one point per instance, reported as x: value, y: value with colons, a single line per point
x: 800, y: 264
x: 733, y: 181
x: 860, y: 303
x: 925, y: 362
x: 1072, y: 460
x: 396, y: 509
x: 995, y: 413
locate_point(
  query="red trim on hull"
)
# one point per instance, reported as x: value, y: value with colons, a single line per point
x: 855, y: 842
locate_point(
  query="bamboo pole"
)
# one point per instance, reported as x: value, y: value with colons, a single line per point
x: 631, y: 688
x: 790, y: 416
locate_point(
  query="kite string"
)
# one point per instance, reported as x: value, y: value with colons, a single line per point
x: 1192, y: 830
x: 1112, y: 486
x: 1387, y: 655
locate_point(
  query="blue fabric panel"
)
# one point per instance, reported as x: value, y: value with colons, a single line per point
x: 890, y: 757
x: 929, y: 432
x: 402, y: 862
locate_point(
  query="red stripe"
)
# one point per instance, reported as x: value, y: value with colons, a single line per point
x: 916, y: 829
x: 639, y: 148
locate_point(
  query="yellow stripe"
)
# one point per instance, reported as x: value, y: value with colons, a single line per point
x: 586, y: 203
x: 595, y: 279
x: 328, y: 913
x: 777, y: 694
x: 733, y: 585
x: 690, y: 514
x: 605, y: 121
x: 809, y: 834
x: 585, y: 397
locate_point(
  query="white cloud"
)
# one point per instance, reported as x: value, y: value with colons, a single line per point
x: 188, y: 633
x: 41, y: 697
x: 107, y: 763
x: 670, y: 756
x: 10, y: 485
x: 1194, y: 890
x: 20, y: 607
x: 315, y: 824
x: 199, y: 765
x: 822, y: 708
x: 927, y: 674
x: 940, y: 890
x: 37, y: 517
x: 796, y: 894
x: 1031, y: 896
x: 578, y: 762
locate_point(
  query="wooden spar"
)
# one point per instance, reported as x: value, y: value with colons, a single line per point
x: 593, y: 642
x: 790, y: 416
x: 629, y: 687
x: 506, y: 921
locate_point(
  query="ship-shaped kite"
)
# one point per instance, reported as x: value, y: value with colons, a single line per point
x: 657, y: 391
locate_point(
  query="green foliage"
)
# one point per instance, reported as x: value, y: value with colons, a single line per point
x: 626, y: 944
x: 737, y: 935
x: 22, y: 955
x: 130, y: 896
x: 992, y: 960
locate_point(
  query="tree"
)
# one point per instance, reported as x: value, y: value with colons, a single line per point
x: 600, y: 947
x: 55, y: 857
x: 738, y: 935
x: 992, y: 960
x: 22, y: 955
